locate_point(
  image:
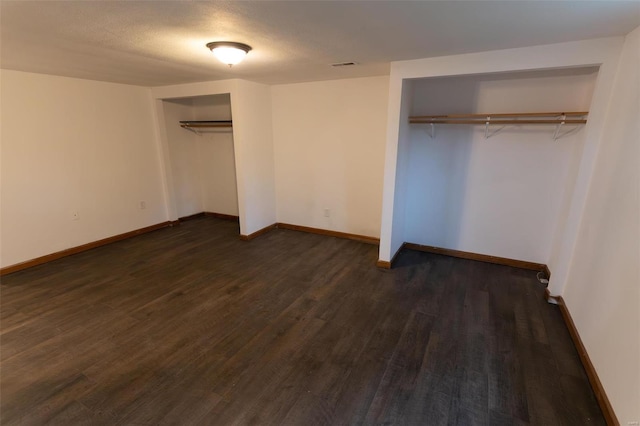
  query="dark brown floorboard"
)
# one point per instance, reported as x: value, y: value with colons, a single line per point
x: 189, y: 325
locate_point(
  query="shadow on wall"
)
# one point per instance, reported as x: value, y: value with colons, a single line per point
x: 438, y: 165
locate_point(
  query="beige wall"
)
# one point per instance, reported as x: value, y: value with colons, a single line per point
x: 183, y: 159
x: 603, y: 289
x: 329, y: 153
x: 72, y: 145
x: 254, y: 152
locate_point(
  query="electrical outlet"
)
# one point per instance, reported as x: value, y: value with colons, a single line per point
x: 143, y: 205
x: 75, y: 215
x: 327, y: 212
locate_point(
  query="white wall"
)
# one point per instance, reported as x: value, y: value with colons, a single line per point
x: 329, y: 153
x: 400, y: 202
x: 501, y: 196
x: 253, y: 133
x: 184, y: 159
x: 603, y: 289
x: 74, y: 145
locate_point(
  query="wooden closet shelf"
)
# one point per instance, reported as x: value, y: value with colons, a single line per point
x: 484, y: 121
x: 557, y: 118
x: 200, y: 125
x: 205, y: 124
x: 504, y: 118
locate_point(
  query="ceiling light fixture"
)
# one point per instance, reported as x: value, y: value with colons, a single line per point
x: 229, y: 52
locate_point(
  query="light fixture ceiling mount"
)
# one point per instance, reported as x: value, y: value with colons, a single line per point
x: 229, y: 52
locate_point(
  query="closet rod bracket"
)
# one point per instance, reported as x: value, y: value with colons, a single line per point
x: 192, y: 130
x: 198, y: 126
x: 558, y: 126
x: 486, y: 128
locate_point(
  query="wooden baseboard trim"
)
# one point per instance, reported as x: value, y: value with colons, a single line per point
x: 191, y: 217
x: 547, y: 272
x: 383, y: 264
x: 258, y: 233
x: 479, y: 257
x: 78, y: 249
x: 388, y: 264
x: 356, y: 237
x: 594, y: 380
x: 466, y: 255
x: 326, y: 232
x: 209, y: 214
x: 549, y: 298
x: 223, y: 216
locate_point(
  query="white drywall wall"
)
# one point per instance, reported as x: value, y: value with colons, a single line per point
x: 184, y: 158
x: 74, y: 145
x: 500, y: 196
x: 329, y: 153
x: 603, y: 289
x: 400, y: 202
x: 253, y: 136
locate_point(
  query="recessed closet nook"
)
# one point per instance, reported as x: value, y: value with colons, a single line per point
x: 500, y: 189
x: 199, y: 133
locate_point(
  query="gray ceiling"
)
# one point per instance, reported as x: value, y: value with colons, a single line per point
x: 153, y: 43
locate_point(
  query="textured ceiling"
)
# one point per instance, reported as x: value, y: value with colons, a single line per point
x: 153, y: 43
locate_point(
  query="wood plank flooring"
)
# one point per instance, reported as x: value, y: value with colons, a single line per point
x: 191, y: 326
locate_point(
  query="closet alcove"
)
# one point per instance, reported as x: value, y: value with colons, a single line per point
x: 501, y: 189
x: 201, y: 155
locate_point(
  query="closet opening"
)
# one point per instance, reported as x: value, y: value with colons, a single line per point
x: 202, y: 161
x: 502, y: 189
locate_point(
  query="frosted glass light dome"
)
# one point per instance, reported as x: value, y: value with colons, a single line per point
x: 229, y: 52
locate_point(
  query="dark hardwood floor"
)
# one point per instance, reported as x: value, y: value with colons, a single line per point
x: 189, y: 325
